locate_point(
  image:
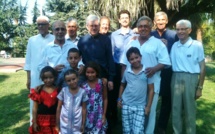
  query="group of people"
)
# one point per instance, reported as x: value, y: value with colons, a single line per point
x: 86, y: 78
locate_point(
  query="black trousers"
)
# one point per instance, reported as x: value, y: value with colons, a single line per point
x: 165, y: 93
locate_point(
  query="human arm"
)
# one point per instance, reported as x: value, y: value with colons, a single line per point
x: 121, y: 90
x: 28, y: 84
x: 150, y: 71
x: 150, y: 98
x: 84, y: 113
x: 105, y: 103
x: 36, y: 128
x: 27, y: 66
x: 59, y: 106
x: 201, y: 79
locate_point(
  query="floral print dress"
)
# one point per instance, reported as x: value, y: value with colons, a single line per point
x: 94, y: 109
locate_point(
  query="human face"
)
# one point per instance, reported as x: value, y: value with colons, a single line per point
x: 72, y: 81
x: 160, y: 22
x: 59, y: 31
x: 104, y: 26
x: 124, y: 20
x: 72, y: 29
x: 93, y: 27
x: 135, y: 60
x: 91, y: 74
x: 48, y: 79
x: 183, y: 32
x: 43, y: 26
x: 73, y: 59
x: 144, y: 29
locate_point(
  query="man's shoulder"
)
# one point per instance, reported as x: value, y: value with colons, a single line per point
x: 116, y: 32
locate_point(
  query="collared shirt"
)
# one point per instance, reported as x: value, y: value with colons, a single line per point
x: 98, y: 49
x: 169, y: 35
x: 153, y: 52
x: 119, y: 42
x: 75, y: 41
x: 136, y: 89
x: 186, y: 57
x: 35, y: 46
x: 54, y: 54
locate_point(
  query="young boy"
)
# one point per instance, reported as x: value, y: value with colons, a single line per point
x: 133, y: 94
x: 74, y: 56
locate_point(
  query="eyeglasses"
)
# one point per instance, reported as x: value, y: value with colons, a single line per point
x: 42, y: 24
x: 60, y: 29
x: 143, y: 26
x: 181, y: 29
x: 91, y: 26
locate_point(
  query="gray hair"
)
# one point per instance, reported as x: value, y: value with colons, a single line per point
x: 187, y: 23
x: 145, y: 18
x: 92, y: 17
x: 43, y: 18
x: 161, y: 13
x: 72, y: 20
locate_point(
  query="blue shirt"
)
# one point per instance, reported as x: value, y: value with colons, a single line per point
x: 135, y: 93
x: 119, y: 42
x: 98, y: 49
x: 169, y: 35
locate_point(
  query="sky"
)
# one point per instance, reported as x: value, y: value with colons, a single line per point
x: 30, y: 6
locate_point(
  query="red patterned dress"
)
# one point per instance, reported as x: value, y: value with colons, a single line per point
x: 46, y: 112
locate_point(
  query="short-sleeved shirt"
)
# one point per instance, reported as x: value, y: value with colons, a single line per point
x: 71, y: 112
x: 186, y: 57
x: 135, y: 93
x: 119, y: 42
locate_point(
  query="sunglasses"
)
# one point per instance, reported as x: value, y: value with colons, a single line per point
x: 60, y: 29
x: 42, y: 24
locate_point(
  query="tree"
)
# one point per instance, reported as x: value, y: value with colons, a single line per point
x: 35, y: 12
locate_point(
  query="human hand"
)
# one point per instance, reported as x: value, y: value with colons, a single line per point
x: 119, y: 103
x: 59, y: 67
x: 164, y: 41
x: 81, y: 69
x: 104, y: 81
x: 82, y: 129
x: 198, y: 93
x: 150, y: 71
x: 147, y: 110
x: 110, y: 85
x: 57, y: 128
x: 103, y: 119
x: 36, y: 127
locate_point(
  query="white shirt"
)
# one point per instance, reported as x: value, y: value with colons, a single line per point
x: 35, y: 46
x: 186, y: 57
x: 75, y: 41
x: 54, y: 54
x: 153, y: 52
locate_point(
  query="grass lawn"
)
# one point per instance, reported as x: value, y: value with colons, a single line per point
x: 14, y: 104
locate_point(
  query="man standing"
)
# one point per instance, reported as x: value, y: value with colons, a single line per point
x: 168, y: 37
x: 119, y: 39
x: 188, y: 66
x: 35, y: 46
x: 154, y: 57
x: 55, y: 54
x: 105, y: 26
x: 72, y: 28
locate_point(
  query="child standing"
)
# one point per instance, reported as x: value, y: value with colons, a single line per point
x: 133, y: 94
x: 71, y: 110
x: 97, y: 105
x: 44, y: 103
x: 73, y: 57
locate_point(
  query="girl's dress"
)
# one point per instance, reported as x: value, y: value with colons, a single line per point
x: 46, y: 113
x: 71, y: 111
x: 94, y: 109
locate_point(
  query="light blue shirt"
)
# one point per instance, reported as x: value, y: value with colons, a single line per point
x: 135, y: 93
x: 119, y: 42
x: 54, y: 54
x: 75, y: 41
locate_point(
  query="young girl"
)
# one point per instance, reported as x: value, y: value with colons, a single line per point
x: 71, y: 110
x: 45, y: 104
x: 97, y: 104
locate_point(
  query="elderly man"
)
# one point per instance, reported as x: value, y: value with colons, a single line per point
x: 168, y: 37
x: 154, y: 57
x: 188, y: 65
x: 105, y: 26
x: 33, y: 54
x: 72, y: 28
x: 55, y: 54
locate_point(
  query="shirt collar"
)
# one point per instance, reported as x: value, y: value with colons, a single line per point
x: 131, y: 71
x: 47, y: 35
x: 187, y: 44
x: 68, y: 38
x: 130, y: 32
